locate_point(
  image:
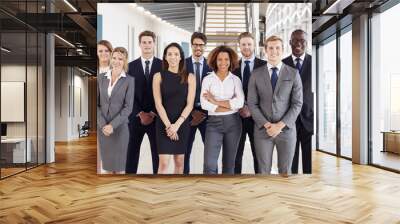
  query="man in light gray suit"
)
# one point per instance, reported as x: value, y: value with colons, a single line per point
x: 275, y: 97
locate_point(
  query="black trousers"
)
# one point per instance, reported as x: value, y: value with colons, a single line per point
x: 247, y: 128
x: 304, y: 138
x: 192, y: 135
x: 136, y: 134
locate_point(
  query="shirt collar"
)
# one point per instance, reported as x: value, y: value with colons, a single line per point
x: 201, y: 60
x: 144, y: 60
x: 301, y: 57
x: 279, y: 66
x: 253, y: 57
x: 108, y: 74
x: 216, y: 76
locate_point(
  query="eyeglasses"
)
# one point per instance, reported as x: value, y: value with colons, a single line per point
x: 198, y: 45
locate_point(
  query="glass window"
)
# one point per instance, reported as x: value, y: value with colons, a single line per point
x: 385, y: 89
x: 327, y: 96
x: 346, y: 94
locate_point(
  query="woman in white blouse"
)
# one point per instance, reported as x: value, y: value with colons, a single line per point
x: 222, y: 96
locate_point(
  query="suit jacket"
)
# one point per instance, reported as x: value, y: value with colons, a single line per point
x: 144, y: 100
x: 306, y: 116
x: 115, y: 109
x: 190, y: 69
x: 284, y: 104
x: 238, y: 72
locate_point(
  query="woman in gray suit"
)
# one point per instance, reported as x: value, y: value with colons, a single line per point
x: 114, y: 104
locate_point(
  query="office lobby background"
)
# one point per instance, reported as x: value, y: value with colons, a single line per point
x: 58, y: 90
x: 121, y: 24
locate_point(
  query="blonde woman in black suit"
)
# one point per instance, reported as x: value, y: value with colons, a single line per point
x: 115, y: 100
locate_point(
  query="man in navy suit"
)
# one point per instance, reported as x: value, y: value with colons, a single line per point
x: 247, y: 63
x: 196, y: 64
x: 305, y: 121
x: 141, y: 120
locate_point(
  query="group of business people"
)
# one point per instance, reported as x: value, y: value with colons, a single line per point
x: 225, y: 98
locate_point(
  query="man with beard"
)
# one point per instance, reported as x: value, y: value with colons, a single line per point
x: 197, y: 65
x: 305, y: 122
x: 247, y: 63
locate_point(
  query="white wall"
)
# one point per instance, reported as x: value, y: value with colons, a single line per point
x: 69, y: 82
x: 120, y: 18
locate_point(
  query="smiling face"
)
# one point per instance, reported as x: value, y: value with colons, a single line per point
x: 198, y: 47
x: 274, y: 50
x: 223, y: 62
x: 103, y: 54
x: 118, y: 61
x: 173, y: 56
x: 298, y: 43
x: 246, y: 45
x: 147, y: 45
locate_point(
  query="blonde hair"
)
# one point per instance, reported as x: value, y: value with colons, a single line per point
x: 124, y: 52
x: 272, y: 38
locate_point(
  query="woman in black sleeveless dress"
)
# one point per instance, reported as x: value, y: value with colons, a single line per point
x: 174, y: 91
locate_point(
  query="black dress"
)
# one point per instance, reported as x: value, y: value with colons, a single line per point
x: 174, y: 96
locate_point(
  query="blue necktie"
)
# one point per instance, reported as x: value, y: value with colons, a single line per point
x: 246, y: 75
x: 274, y: 77
x: 298, y: 65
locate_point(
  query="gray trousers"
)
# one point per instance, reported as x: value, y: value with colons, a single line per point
x: 285, y: 144
x: 222, y: 131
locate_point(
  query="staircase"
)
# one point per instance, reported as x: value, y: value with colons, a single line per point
x: 223, y: 24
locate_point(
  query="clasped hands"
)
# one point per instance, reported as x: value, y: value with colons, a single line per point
x: 274, y: 129
x: 197, y: 117
x: 108, y: 130
x: 146, y: 118
x: 172, y: 131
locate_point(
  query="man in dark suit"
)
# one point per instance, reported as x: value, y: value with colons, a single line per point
x: 305, y: 121
x: 196, y: 64
x: 247, y: 63
x: 141, y: 120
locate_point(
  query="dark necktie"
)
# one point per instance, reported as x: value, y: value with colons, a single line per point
x: 198, y: 82
x: 298, y: 65
x: 147, y: 70
x: 274, y: 77
x: 246, y: 75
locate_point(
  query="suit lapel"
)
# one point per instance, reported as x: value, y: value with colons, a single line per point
x: 281, y: 76
x: 304, y: 68
x: 267, y: 80
x: 117, y: 86
x: 104, y: 84
x: 153, y: 67
x: 140, y: 66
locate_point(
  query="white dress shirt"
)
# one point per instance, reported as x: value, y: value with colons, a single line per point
x: 111, y: 87
x: 278, y: 66
x: 144, y: 63
x: 229, y: 89
x: 301, y: 59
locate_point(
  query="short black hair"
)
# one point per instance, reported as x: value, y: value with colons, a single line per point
x: 198, y: 35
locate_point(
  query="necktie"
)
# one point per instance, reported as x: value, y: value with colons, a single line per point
x: 246, y: 75
x: 147, y: 70
x: 298, y: 65
x: 274, y: 77
x: 198, y: 81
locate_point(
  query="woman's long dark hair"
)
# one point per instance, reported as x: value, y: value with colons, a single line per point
x: 182, y: 72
